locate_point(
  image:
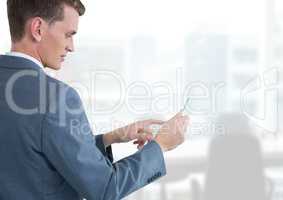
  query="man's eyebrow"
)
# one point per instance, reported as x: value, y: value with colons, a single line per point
x: 72, y: 33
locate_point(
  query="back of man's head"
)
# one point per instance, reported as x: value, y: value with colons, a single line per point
x: 20, y: 11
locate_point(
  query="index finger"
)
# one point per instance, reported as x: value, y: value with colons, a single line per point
x: 153, y: 121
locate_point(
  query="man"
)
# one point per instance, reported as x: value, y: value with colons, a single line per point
x: 42, y: 155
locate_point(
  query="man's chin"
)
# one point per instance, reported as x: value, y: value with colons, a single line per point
x: 54, y: 67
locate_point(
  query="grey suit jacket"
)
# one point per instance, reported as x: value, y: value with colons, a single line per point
x: 47, y: 149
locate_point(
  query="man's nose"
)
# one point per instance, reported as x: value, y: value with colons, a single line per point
x: 70, y: 47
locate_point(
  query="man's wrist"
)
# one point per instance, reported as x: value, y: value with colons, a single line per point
x: 110, y: 138
x: 161, y: 146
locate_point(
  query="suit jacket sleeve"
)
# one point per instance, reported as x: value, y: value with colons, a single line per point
x: 68, y: 143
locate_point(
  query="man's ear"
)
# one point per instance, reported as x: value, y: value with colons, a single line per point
x: 37, y: 28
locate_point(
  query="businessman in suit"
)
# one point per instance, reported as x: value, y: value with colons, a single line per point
x: 45, y: 154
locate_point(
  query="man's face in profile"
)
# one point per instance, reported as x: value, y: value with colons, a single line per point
x: 57, y: 39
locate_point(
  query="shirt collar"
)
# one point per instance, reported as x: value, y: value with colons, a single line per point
x: 23, y: 55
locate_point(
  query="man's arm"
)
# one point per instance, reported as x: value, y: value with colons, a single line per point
x: 76, y: 157
x: 110, y: 138
x: 105, y: 149
x: 139, y: 131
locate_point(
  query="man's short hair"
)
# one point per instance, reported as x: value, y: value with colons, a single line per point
x: 20, y: 11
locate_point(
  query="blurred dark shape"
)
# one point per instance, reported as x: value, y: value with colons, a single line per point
x: 235, y: 169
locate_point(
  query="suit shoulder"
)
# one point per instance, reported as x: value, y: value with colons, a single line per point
x: 60, y: 86
x: 61, y: 95
x: 51, y: 80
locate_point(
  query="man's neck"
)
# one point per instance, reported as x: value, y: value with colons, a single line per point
x: 21, y: 47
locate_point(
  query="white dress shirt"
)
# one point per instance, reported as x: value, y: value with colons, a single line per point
x: 23, y: 55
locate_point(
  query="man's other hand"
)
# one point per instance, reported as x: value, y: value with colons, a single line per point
x: 139, y: 131
x: 172, y: 132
